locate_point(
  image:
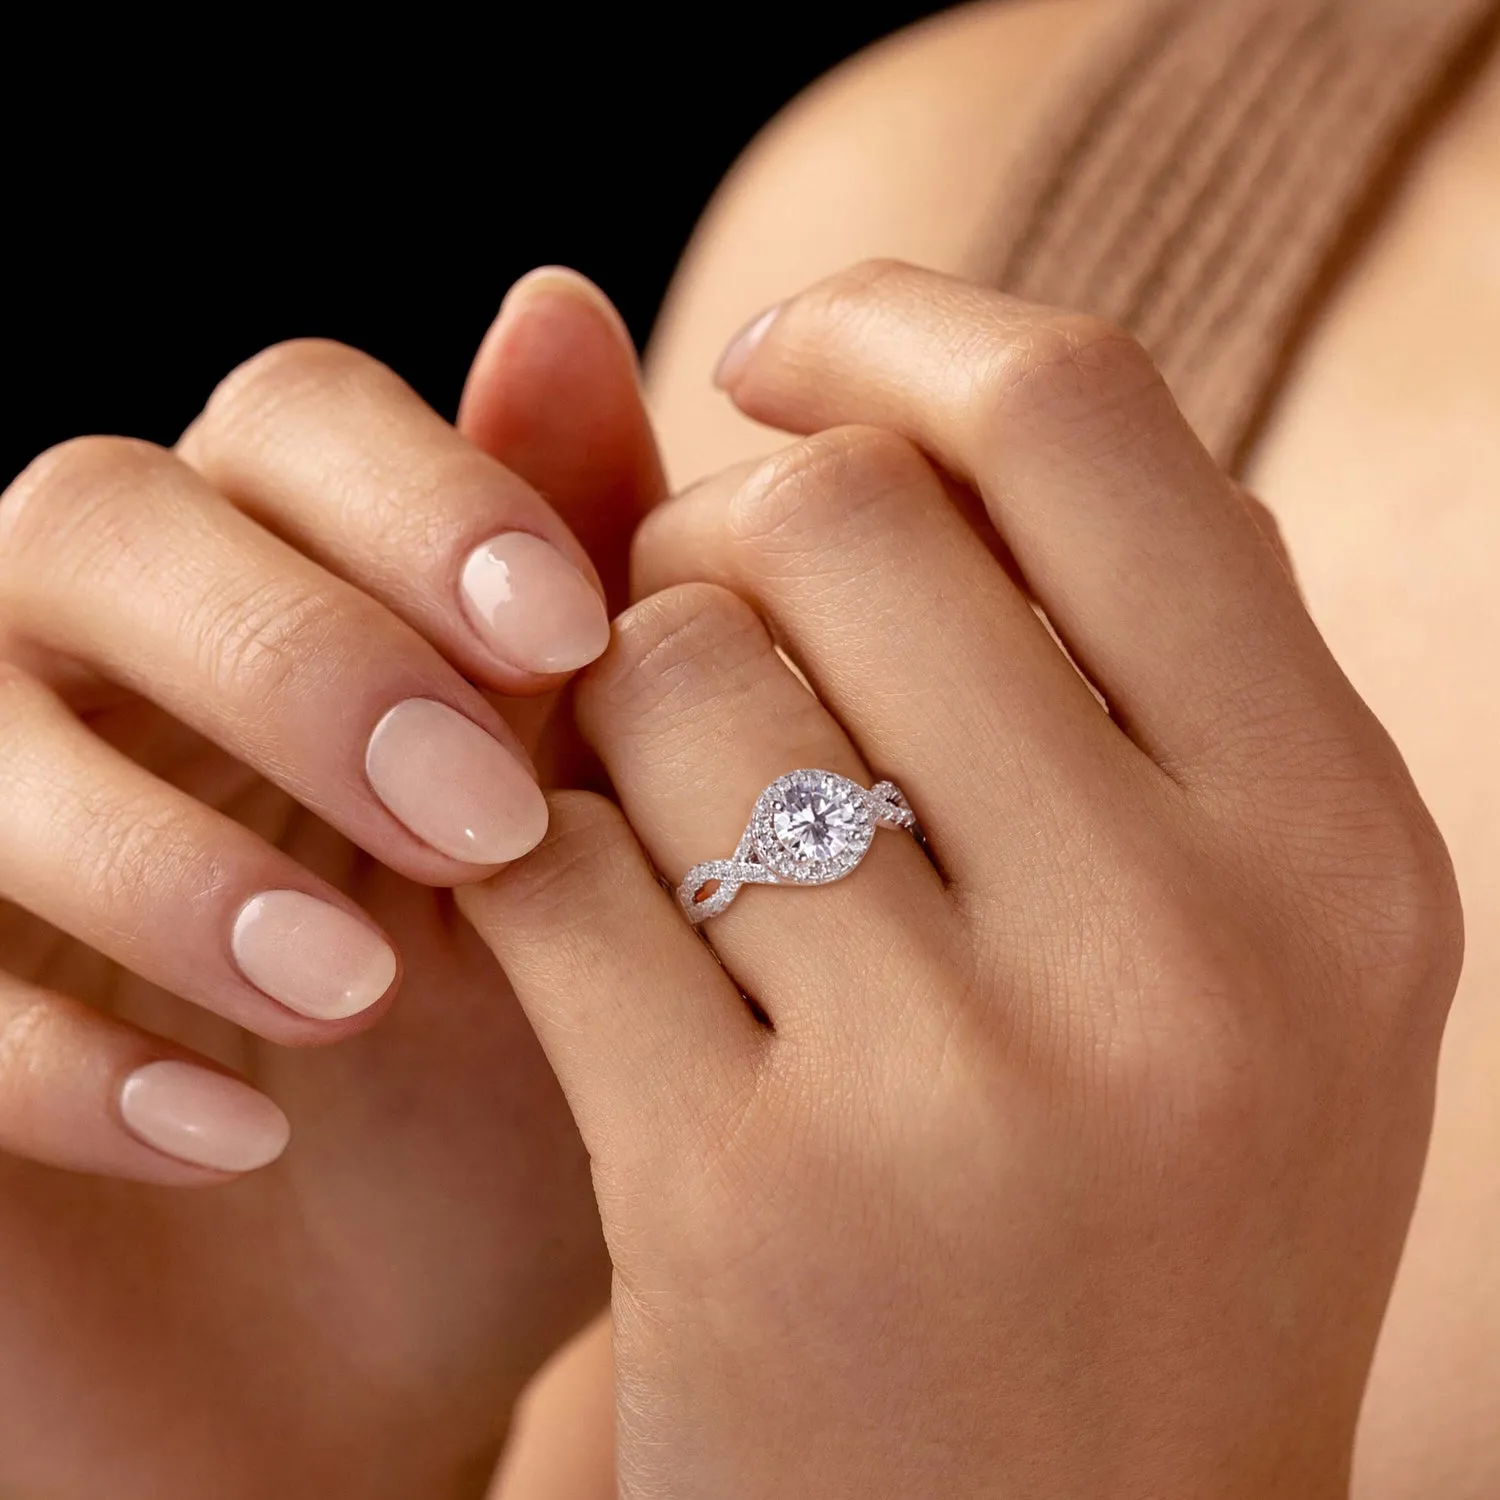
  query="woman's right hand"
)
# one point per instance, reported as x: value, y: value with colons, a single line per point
x: 251, y: 730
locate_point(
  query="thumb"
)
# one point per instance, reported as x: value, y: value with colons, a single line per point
x: 554, y: 394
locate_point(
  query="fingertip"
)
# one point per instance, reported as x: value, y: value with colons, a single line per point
x: 316, y: 959
x: 563, y: 282
x: 555, y: 395
x: 539, y: 327
x: 741, y: 349
x: 585, y: 836
x: 459, y: 789
x: 532, y: 607
x: 202, y: 1117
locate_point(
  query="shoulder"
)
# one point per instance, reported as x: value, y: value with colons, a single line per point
x: 902, y: 152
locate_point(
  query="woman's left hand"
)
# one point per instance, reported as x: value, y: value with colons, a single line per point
x: 1076, y: 1156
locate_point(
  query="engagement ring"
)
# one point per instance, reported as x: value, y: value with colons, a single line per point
x: 807, y: 828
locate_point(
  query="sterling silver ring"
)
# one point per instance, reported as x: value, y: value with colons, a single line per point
x: 807, y: 828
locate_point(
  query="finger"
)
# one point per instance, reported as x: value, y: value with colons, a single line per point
x: 554, y: 394
x: 329, y: 449
x: 1140, y: 550
x: 116, y: 554
x: 82, y: 1091
x: 694, y: 715
x: 637, y: 1019
x: 909, y: 630
x: 176, y: 893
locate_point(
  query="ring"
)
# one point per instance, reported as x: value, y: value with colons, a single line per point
x: 807, y: 828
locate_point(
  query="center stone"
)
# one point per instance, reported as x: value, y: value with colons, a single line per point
x: 818, y: 817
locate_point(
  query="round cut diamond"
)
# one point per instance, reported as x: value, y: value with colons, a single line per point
x: 817, y: 817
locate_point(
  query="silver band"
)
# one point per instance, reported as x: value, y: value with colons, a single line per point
x: 807, y: 828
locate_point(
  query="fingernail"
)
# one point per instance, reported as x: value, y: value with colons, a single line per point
x: 314, y: 958
x: 570, y: 283
x: 533, y: 607
x: 203, y: 1117
x: 454, y: 786
x: 734, y: 359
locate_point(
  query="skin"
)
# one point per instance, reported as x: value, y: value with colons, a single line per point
x: 1186, y: 1067
x: 318, y: 1443
x: 897, y: 154
x: 359, y: 1317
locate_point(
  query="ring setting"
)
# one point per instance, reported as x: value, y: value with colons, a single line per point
x: 808, y: 827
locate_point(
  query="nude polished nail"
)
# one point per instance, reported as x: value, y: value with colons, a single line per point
x: 533, y: 608
x: 453, y: 785
x: 311, y: 956
x: 202, y: 1117
x: 744, y: 344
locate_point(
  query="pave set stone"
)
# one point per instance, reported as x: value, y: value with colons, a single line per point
x: 807, y: 828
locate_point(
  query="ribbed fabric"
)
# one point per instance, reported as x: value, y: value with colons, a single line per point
x: 1199, y: 180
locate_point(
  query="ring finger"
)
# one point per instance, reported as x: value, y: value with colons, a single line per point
x: 331, y: 450
x: 694, y: 714
x: 175, y: 892
x: 912, y: 634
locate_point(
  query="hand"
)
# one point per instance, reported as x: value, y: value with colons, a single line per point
x: 220, y: 830
x: 1073, y: 1156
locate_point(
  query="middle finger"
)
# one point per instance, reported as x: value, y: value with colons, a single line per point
x: 328, y: 448
x: 117, y: 555
x: 910, y: 631
x: 694, y: 715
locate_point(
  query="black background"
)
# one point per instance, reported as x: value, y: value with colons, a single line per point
x: 176, y: 203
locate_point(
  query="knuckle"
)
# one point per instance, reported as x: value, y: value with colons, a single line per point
x: 83, y: 482
x: 1071, y: 378
x: 1400, y: 918
x: 255, y: 642
x: 1365, y: 881
x: 870, y: 278
x: 588, y: 842
x: 1210, y: 1096
x: 818, y: 488
x: 257, y: 388
x: 669, y: 646
x: 139, y: 848
x: 689, y: 661
x: 1270, y: 529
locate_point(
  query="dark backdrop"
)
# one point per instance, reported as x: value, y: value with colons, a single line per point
x: 178, y: 203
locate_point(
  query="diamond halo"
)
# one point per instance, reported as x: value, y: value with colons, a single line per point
x: 812, y: 827
x: 808, y: 827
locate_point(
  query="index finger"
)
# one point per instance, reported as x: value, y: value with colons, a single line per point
x: 332, y: 451
x: 1140, y: 550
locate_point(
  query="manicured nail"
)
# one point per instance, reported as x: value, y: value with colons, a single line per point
x: 203, y: 1117
x: 454, y: 786
x: 532, y: 606
x: 314, y: 958
x: 734, y: 359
